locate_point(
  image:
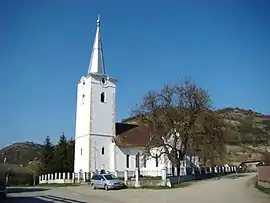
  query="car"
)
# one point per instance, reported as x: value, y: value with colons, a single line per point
x: 106, y: 181
x: 3, y: 189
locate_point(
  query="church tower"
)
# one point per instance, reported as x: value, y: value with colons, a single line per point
x: 95, y: 115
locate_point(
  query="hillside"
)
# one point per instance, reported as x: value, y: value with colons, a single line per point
x: 20, y: 153
x: 249, y: 133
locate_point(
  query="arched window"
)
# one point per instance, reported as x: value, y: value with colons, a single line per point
x: 102, y: 97
x: 102, y: 150
x: 127, y: 160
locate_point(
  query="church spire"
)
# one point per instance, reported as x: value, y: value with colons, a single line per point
x: 96, y: 64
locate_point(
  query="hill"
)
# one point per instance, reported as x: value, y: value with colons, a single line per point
x: 20, y: 153
x: 249, y: 133
x: 249, y: 137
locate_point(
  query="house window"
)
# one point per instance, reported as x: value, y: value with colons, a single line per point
x: 156, y: 160
x: 137, y: 160
x: 102, y: 151
x: 127, y: 160
x: 81, y: 151
x: 102, y: 97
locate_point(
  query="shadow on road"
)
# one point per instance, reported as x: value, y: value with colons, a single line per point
x: 61, y: 199
x: 40, y: 199
x: 24, y: 189
x: 24, y: 199
x: 234, y: 176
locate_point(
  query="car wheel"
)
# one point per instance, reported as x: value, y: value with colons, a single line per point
x: 93, y: 186
x: 106, y: 187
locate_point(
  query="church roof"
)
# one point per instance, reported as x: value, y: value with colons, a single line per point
x: 131, y: 135
x: 96, y: 64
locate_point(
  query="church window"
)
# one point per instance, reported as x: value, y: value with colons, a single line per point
x: 127, y: 160
x: 102, y: 97
x: 156, y: 160
x: 102, y: 151
x: 81, y: 151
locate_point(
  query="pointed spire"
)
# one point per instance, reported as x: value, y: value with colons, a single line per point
x: 96, y: 64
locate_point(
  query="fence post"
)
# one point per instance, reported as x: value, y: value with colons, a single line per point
x: 79, y: 178
x: 164, y: 176
x: 73, y: 177
x: 64, y: 176
x: 115, y: 173
x: 84, y: 177
x: 126, y: 176
x: 68, y: 175
x: 39, y: 179
x: 137, y: 183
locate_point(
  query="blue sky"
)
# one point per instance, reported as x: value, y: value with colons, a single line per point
x: 45, y: 48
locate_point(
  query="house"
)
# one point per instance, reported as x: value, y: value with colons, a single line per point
x: 100, y: 142
x: 250, y: 165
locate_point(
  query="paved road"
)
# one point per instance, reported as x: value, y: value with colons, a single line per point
x: 226, y: 190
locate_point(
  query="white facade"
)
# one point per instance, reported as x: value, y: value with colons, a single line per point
x: 95, y: 149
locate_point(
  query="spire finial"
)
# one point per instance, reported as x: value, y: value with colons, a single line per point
x: 98, y: 19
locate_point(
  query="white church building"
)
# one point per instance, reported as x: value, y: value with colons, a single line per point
x: 100, y: 142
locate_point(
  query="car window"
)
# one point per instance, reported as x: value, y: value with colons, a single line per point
x: 95, y: 177
x: 109, y: 177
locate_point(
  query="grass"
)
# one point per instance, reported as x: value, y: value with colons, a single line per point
x: 160, y: 187
x: 262, y: 189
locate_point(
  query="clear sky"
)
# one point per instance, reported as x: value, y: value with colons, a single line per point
x: 45, y: 48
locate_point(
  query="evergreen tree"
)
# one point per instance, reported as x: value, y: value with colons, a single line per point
x: 70, y: 155
x: 46, y: 164
x: 61, y: 155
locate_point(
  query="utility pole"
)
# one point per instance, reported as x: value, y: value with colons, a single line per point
x: 34, y: 172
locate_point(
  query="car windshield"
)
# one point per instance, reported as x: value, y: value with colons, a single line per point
x: 110, y: 177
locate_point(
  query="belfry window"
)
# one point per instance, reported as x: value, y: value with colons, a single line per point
x: 83, y: 96
x: 102, y: 97
x: 102, y: 151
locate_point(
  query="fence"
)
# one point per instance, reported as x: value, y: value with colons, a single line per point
x: 143, y: 178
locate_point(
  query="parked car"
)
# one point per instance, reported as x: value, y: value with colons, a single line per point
x: 3, y: 189
x: 106, y: 181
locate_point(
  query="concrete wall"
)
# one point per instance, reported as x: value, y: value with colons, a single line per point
x: 263, y: 173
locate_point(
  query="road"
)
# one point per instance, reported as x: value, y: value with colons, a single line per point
x: 235, y: 188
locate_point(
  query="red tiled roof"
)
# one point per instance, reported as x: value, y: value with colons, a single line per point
x: 130, y: 135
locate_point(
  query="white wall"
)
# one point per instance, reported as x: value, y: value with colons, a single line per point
x: 121, y: 164
x: 101, y: 161
x: 81, y: 161
x: 95, y: 124
x: 103, y: 114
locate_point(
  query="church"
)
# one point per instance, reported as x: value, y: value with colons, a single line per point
x: 100, y: 142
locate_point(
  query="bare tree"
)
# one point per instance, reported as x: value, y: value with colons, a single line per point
x: 174, y: 117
